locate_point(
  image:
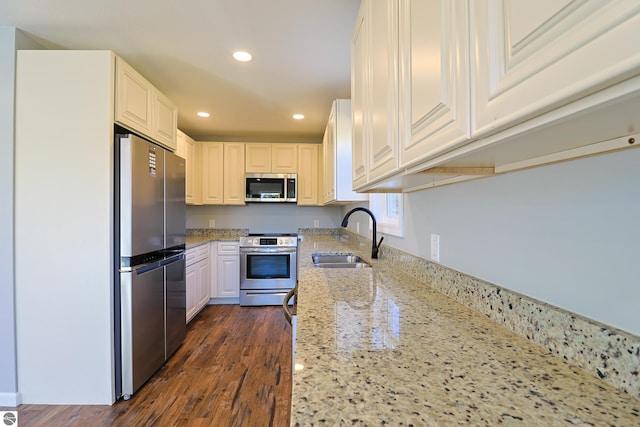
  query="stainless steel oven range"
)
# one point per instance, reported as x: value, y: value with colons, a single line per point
x: 268, y: 268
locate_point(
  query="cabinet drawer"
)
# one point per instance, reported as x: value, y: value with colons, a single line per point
x: 203, y: 252
x: 196, y: 254
x: 191, y: 255
x: 228, y: 248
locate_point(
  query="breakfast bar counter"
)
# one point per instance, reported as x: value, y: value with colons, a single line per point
x: 376, y: 346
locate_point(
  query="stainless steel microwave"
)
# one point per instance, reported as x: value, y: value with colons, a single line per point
x: 271, y: 187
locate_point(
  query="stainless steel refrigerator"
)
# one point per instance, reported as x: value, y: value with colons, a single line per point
x: 150, y: 303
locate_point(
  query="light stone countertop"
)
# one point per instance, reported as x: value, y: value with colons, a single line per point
x: 196, y: 237
x: 381, y: 348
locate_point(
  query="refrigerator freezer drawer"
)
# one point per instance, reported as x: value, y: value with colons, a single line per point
x: 142, y: 334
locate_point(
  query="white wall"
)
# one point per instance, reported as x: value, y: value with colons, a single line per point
x: 64, y: 264
x: 10, y: 40
x: 264, y: 217
x: 567, y: 234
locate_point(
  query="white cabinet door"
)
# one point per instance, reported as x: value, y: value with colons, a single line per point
x: 434, y: 84
x: 337, y: 155
x: 181, y: 144
x: 165, y: 123
x: 139, y: 106
x: 284, y: 158
x: 198, y: 279
x: 193, y: 172
x: 225, y: 272
x: 359, y: 83
x: 134, y: 97
x: 228, y: 270
x: 271, y: 158
x: 382, y: 104
x: 257, y: 158
x: 228, y: 276
x: 204, y: 283
x: 212, y: 157
x: 308, y: 164
x: 233, y: 181
x: 329, y: 152
x: 532, y: 57
x: 186, y: 148
x: 192, y: 286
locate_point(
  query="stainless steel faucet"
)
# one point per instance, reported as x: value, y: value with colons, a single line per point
x: 374, y: 246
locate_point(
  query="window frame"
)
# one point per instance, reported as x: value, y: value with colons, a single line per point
x: 379, y: 203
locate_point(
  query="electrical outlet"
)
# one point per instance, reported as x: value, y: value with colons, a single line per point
x: 316, y: 223
x: 212, y: 223
x: 435, y: 247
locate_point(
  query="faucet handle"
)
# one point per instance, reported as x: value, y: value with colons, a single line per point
x: 375, y: 248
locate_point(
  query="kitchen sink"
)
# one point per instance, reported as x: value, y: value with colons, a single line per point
x: 338, y: 261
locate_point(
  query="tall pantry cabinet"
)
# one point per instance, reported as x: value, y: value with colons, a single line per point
x: 64, y: 252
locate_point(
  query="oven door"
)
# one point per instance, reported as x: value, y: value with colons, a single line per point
x: 268, y: 268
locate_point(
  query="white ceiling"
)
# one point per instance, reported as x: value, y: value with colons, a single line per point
x: 301, y: 54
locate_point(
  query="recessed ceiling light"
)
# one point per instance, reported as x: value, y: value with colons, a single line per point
x: 203, y: 114
x: 298, y: 116
x: 242, y: 56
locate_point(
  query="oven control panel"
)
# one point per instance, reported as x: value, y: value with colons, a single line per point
x: 269, y: 241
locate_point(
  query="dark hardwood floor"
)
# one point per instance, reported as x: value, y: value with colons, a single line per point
x: 234, y: 369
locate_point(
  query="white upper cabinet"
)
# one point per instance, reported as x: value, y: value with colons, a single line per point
x: 233, y: 181
x: 271, y: 158
x: 359, y: 83
x: 410, y: 84
x: 258, y: 158
x: 284, y: 158
x: 165, y: 122
x: 193, y: 191
x: 140, y: 107
x: 221, y: 175
x: 489, y: 86
x: 181, y: 144
x: 434, y: 78
x: 134, y: 96
x: 532, y: 57
x: 337, y: 155
x: 212, y: 177
x: 186, y: 148
x: 308, y: 174
x: 381, y: 89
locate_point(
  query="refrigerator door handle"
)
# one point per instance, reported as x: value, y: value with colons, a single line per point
x: 142, y: 268
x: 172, y: 259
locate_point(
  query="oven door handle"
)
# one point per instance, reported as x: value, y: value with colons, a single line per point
x: 268, y: 250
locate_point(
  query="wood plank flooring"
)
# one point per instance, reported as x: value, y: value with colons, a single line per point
x: 234, y: 369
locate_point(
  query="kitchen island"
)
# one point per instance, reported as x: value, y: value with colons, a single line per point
x: 376, y: 346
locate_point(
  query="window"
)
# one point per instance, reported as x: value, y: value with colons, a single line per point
x: 388, y: 209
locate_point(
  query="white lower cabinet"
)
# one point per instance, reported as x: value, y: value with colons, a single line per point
x: 225, y: 272
x: 198, y: 279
